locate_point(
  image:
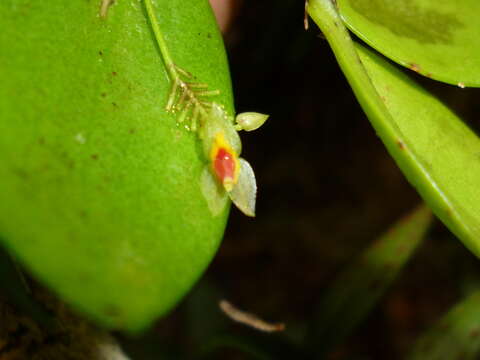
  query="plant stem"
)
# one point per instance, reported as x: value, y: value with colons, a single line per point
x: 162, y: 45
x: 184, y: 93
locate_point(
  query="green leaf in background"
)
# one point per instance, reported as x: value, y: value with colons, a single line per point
x: 359, y: 287
x: 436, y: 151
x: 99, y: 186
x: 455, y: 336
x: 438, y: 39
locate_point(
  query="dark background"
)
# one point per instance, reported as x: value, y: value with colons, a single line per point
x: 327, y: 189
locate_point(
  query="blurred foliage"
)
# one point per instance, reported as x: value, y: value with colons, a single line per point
x: 359, y: 287
x: 327, y: 187
x: 455, y: 336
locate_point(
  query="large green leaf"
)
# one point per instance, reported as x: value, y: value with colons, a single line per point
x: 436, y: 151
x: 438, y: 39
x: 99, y: 186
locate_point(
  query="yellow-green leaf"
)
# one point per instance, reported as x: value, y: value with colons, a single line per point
x: 434, y: 148
x: 438, y: 39
x: 99, y: 186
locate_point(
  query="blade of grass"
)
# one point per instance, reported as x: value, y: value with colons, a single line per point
x: 455, y: 336
x: 359, y: 287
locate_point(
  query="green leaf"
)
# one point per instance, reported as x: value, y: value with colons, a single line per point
x: 100, y: 187
x: 359, y: 287
x: 438, y: 39
x: 436, y: 151
x: 455, y: 336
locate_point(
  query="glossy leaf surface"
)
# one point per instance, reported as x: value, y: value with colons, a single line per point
x: 438, y: 39
x: 100, y: 187
x: 436, y: 151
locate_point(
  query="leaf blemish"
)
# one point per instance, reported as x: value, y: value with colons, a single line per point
x: 475, y: 333
x: 414, y: 67
x: 80, y: 138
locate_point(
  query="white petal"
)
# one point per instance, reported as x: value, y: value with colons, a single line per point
x: 244, y: 193
x: 213, y: 193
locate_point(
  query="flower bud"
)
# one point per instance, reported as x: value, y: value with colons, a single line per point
x: 249, y: 121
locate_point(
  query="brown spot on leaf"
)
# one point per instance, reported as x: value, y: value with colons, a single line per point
x: 474, y: 333
x: 94, y: 156
x: 112, y: 311
x: 414, y: 67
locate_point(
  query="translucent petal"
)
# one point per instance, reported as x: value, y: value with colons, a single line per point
x: 244, y: 193
x: 213, y: 192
